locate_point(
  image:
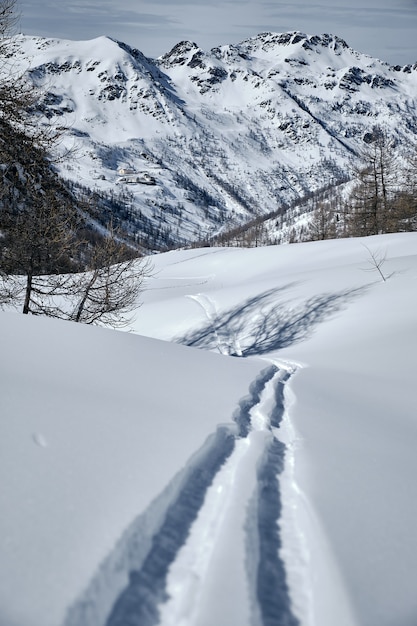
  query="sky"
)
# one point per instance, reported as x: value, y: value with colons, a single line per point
x: 385, y: 29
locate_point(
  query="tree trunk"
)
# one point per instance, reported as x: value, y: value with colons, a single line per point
x: 28, y: 293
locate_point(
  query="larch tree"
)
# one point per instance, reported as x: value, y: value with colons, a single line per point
x: 107, y: 292
x: 372, y: 203
x: 47, y: 265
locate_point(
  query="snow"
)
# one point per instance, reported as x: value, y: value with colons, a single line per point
x: 138, y: 470
x: 238, y: 132
x: 94, y: 425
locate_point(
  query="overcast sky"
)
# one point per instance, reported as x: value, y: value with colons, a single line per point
x: 386, y: 29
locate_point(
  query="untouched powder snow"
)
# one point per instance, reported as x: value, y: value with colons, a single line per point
x: 266, y: 477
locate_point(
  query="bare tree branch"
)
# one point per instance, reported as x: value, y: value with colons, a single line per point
x: 376, y: 260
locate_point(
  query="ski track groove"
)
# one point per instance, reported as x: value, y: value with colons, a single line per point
x: 138, y: 604
x: 227, y: 501
x: 225, y: 344
x: 182, y: 572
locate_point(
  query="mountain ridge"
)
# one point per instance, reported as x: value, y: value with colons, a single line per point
x: 228, y: 135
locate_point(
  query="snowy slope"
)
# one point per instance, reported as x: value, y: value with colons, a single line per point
x: 141, y: 480
x: 94, y: 425
x: 352, y: 339
x: 229, y: 134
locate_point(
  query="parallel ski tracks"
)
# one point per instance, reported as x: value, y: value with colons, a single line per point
x: 220, y: 538
x: 207, y: 552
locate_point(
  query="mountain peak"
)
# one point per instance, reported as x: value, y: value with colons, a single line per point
x: 180, y: 54
x: 268, y: 41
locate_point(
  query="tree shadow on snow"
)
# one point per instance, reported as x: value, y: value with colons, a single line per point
x: 261, y: 324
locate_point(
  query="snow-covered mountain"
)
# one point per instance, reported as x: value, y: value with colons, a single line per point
x: 220, y: 136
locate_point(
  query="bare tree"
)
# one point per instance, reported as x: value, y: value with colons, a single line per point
x: 42, y: 224
x: 108, y: 291
x: 34, y: 206
x: 52, y: 268
x: 376, y: 261
x: 9, y: 290
x: 38, y: 220
x: 372, y: 203
x: 407, y: 199
x: 323, y: 222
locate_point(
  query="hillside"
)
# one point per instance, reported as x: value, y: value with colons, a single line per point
x: 210, y: 140
x: 141, y: 481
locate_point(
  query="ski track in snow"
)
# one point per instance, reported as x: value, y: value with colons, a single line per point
x: 233, y: 547
x: 213, y: 535
x: 225, y: 344
x: 193, y: 281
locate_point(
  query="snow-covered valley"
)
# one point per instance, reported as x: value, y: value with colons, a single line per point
x: 245, y: 456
